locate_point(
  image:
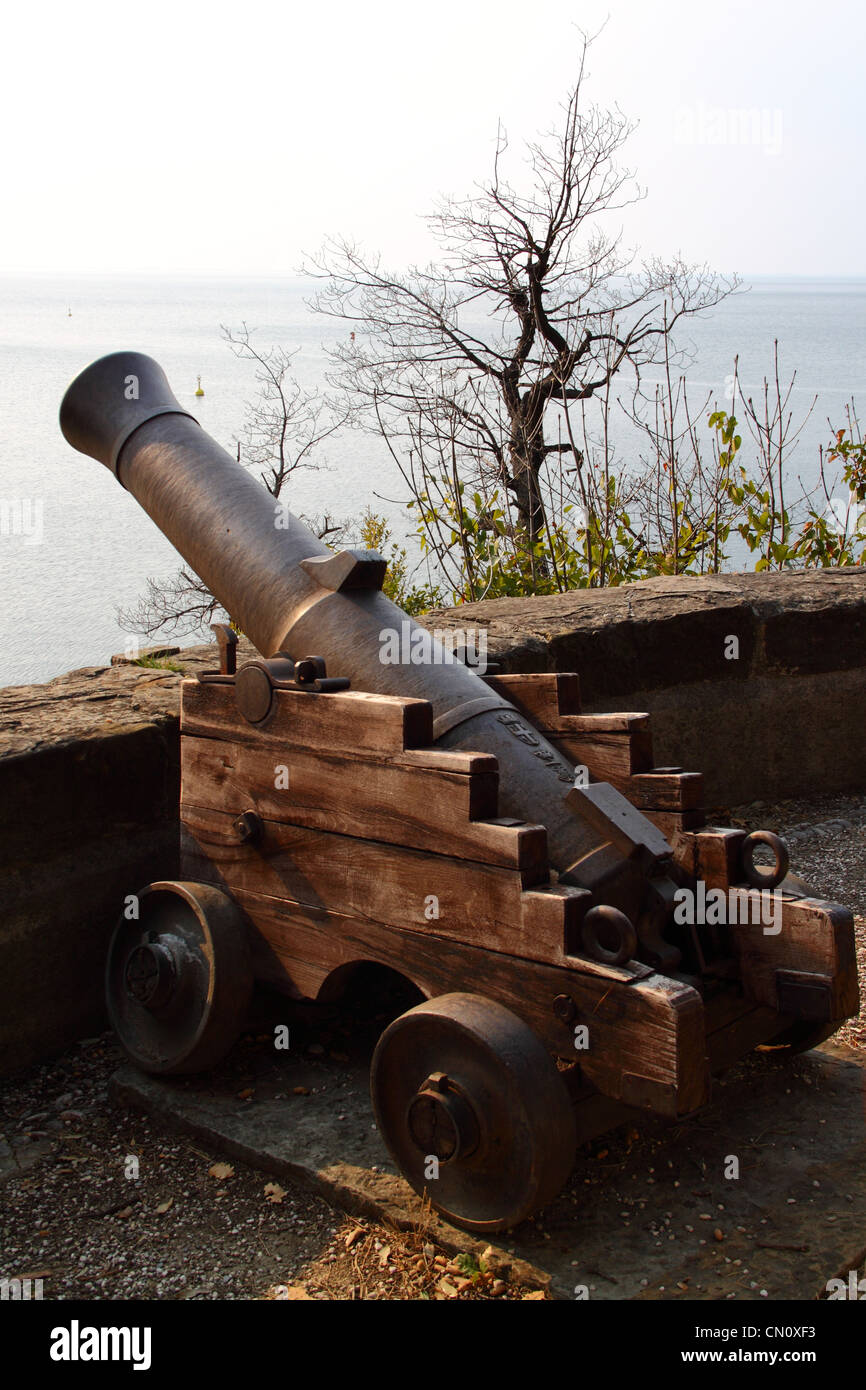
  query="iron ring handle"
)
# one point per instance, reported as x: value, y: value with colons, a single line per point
x: 761, y: 878
x: 610, y: 921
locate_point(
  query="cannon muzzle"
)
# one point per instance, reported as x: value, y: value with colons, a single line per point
x: 118, y: 394
x: 290, y: 594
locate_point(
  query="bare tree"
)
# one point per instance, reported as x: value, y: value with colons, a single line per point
x: 285, y: 426
x: 532, y: 305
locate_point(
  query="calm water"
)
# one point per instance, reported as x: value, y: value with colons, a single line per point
x: 60, y: 596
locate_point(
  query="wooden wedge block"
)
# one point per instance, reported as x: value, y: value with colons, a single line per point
x: 603, y: 807
x: 544, y: 698
x: 673, y: 823
x: 664, y: 790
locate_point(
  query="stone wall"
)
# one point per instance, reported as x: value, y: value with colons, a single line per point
x: 785, y: 716
x: 89, y: 783
x: 89, y: 762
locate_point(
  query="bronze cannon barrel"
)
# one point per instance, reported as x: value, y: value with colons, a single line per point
x: 251, y: 553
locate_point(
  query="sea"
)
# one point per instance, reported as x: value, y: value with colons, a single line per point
x: 76, y: 550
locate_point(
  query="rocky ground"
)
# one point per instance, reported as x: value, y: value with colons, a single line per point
x: 100, y: 1203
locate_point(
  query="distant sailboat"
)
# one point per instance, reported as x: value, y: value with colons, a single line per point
x: 198, y: 389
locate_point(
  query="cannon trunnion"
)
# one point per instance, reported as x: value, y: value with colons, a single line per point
x: 523, y: 864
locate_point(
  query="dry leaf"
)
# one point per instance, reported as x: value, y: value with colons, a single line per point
x: 164, y: 1206
x: 221, y: 1170
x: 245, y: 1095
x: 447, y: 1288
x: 537, y: 1296
x: 274, y: 1192
x: 384, y: 1256
x: 300, y: 1091
x: 297, y: 1291
x: 354, y: 1236
x: 122, y: 1215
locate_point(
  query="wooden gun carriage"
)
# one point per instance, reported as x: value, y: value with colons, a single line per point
x: 327, y: 826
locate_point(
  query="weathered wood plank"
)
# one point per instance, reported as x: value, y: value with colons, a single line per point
x: 667, y: 791
x: 612, y: 747
x: 649, y: 1029
x: 673, y: 823
x: 544, y: 697
x: 424, y: 806
x: 717, y: 856
x: 393, y: 884
x: 804, y: 935
x: 740, y: 1034
x: 347, y: 720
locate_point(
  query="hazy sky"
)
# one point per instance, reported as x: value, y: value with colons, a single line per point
x: 229, y: 138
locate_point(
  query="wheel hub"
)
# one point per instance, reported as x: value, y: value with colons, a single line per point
x: 441, y: 1120
x: 150, y: 975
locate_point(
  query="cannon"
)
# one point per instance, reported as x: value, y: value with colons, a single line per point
x: 585, y: 945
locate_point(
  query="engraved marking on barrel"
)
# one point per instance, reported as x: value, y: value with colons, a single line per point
x: 521, y: 730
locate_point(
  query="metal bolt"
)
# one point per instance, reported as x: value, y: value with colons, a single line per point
x: 565, y: 1008
x: 249, y: 827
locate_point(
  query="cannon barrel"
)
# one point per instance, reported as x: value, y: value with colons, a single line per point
x: 268, y: 571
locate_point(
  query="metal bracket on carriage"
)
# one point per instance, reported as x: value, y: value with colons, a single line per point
x: 256, y: 682
x: 227, y: 640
